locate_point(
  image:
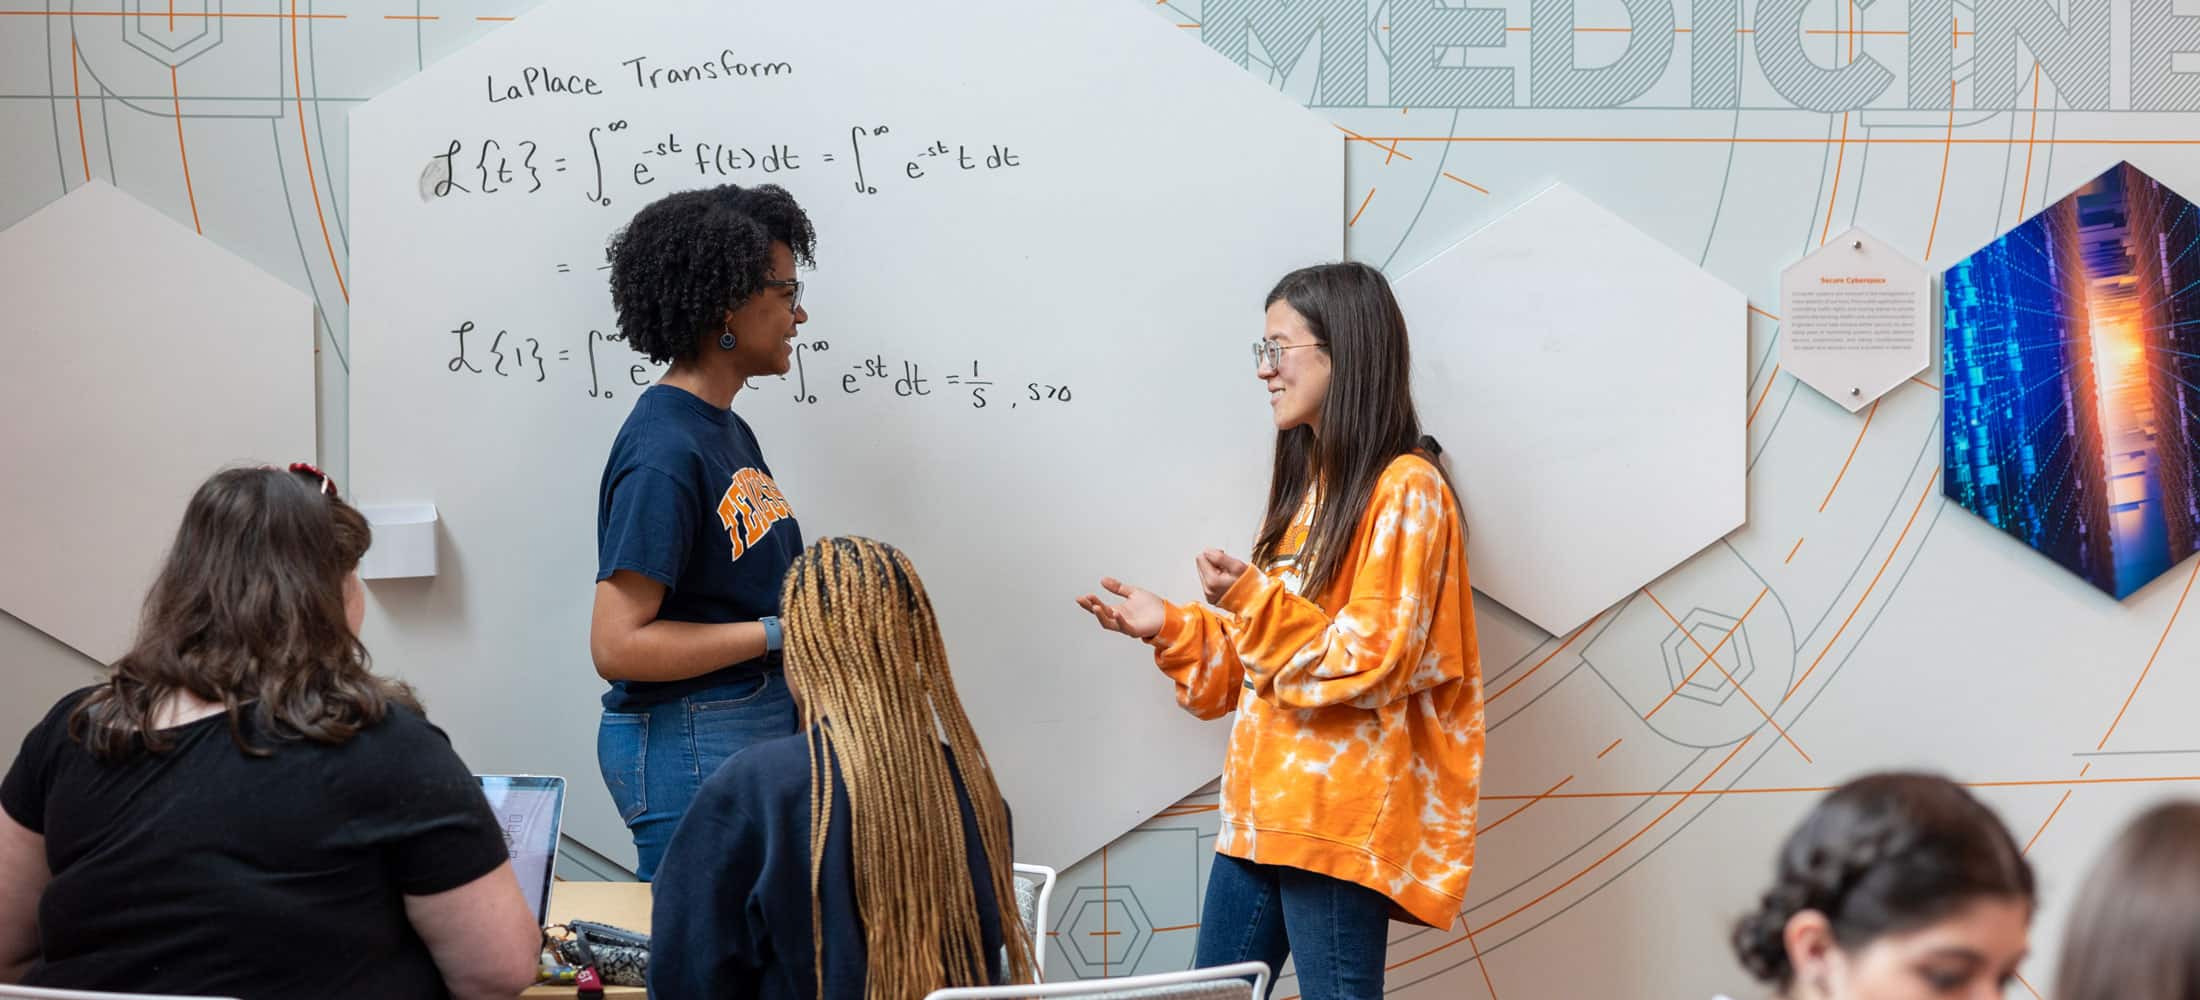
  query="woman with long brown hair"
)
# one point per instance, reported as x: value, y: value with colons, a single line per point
x: 867, y: 856
x: 2134, y: 933
x: 242, y: 808
x: 1347, y: 650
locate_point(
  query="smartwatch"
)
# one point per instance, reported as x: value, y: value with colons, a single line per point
x: 771, y: 633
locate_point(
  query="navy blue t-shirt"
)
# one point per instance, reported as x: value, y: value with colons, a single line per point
x: 687, y: 501
x: 732, y: 909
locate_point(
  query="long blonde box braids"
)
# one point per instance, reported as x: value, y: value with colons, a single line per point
x: 864, y: 652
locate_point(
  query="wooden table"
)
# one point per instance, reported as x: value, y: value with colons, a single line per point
x: 620, y: 904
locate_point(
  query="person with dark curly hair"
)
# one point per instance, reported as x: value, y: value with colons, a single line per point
x: 1896, y: 886
x: 692, y: 534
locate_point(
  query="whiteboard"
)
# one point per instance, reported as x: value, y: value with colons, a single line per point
x: 986, y: 213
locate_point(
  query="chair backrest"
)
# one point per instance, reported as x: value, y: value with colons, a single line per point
x: 1222, y: 982
x: 46, y: 993
x: 1034, y: 891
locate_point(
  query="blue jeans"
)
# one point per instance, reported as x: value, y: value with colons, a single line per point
x: 1270, y: 912
x: 653, y: 761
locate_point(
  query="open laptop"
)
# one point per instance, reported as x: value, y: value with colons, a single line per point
x: 529, y: 809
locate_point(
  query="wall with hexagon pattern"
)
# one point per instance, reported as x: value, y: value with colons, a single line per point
x: 1711, y: 586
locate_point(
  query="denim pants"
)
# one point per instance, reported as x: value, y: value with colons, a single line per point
x: 1271, y: 912
x: 654, y: 760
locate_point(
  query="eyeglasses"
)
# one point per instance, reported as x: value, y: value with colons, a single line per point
x: 794, y: 302
x: 1269, y: 354
x: 328, y: 486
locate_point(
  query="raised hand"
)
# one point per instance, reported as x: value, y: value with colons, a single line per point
x: 1139, y: 615
x: 1218, y: 572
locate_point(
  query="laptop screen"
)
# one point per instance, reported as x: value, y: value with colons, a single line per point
x: 528, y: 808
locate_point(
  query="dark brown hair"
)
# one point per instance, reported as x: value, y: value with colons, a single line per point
x: 2135, y: 931
x: 1883, y: 854
x: 1367, y: 418
x: 248, y: 613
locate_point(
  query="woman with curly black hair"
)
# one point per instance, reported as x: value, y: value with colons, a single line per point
x: 692, y: 534
x: 1896, y: 886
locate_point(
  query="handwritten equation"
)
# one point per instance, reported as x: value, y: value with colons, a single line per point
x: 509, y: 355
x: 908, y: 379
x: 612, y: 369
x: 617, y: 152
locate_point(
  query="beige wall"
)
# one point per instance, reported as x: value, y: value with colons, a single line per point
x: 39, y: 670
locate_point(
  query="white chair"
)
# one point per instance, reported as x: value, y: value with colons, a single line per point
x: 43, y: 993
x: 1034, y: 890
x: 1222, y: 982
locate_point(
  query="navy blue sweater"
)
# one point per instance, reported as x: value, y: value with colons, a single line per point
x: 731, y: 916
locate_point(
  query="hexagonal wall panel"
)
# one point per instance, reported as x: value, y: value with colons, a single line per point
x: 1855, y: 319
x: 2071, y: 353
x: 1025, y: 361
x: 141, y: 359
x: 1587, y: 383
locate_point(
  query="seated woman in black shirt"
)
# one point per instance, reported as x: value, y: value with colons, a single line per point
x: 905, y: 885
x: 242, y: 808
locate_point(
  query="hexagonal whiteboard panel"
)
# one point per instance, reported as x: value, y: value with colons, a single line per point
x: 1587, y: 383
x: 2071, y: 352
x: 1026, y: 362
x: 142, y: 358
x: 1855, y: 319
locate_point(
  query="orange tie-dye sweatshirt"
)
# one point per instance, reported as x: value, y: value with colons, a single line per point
x: 1357, y: 750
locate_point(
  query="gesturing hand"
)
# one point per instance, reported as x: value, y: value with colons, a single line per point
x: 1139, y: 615
x: 1218, y: 572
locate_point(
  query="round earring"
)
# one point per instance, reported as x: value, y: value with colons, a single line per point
x: 725, y: 341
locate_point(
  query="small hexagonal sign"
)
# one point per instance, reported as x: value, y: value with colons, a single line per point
x: 1855, y: 319
x: 1587, y: 384
x: 142, y: 358
x: 2071, y: 353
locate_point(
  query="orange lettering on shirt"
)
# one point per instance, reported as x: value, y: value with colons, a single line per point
x: 751, y: 504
